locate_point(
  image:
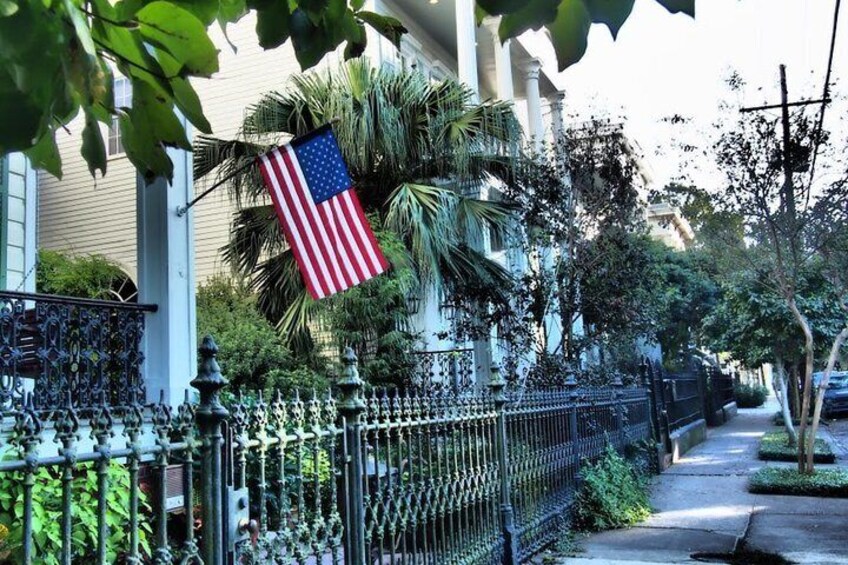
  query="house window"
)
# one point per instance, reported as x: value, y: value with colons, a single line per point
x: 123, y: 99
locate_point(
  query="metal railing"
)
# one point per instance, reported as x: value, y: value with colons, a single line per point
x: 445, y: 370
x: 53, y: 345
x: 380, y: 478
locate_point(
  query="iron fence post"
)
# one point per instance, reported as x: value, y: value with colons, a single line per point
x: 210, y: 415
x: 351, y: 406
x: 573, y: 430
x: 618, y: 406
x: 497, y: 384
x: 648, y: 382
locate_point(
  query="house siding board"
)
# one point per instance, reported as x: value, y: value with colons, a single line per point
x: 84, y: 215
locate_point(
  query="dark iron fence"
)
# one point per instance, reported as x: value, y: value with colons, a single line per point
x: 680, y: 399
x: 52, y: 345
x: 383, y: 477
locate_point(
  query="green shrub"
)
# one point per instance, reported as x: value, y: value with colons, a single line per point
x: 92, y: 276
x: 249, y: 347
x: 831, y: 483
x: 750, y: 396
x: 613, y: 494
x: 775, y: 447
x: 47, y: 515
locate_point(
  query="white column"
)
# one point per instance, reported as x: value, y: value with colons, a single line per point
x: 166, y: 278
x: 557, y: 123
x: 466, y: 44
x: 503, y: 60
x: 534, y: 103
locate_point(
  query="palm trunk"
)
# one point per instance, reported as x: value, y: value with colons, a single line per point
x: 831, y: 361
x: 808, y: 377
x: 783, y: 398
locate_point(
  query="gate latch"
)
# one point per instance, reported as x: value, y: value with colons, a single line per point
x: 238, y: 521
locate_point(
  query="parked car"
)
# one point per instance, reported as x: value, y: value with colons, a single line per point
x: 836, y: 395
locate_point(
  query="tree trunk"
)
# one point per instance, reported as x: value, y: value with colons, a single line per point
x: 831, y: 361
x: 783, y: 398
x: 795, y: 400
x: 808, y: 372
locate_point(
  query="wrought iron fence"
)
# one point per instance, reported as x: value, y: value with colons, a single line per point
x: 379, y: 478
x: 444, y: 371
x: 680, y: 399
x: 52, y: 345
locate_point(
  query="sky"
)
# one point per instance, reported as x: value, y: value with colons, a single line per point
x: 663, y: 64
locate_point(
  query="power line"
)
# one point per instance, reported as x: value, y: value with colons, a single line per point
x: 825, y: 100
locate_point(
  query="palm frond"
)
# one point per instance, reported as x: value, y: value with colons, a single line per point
x: 255, y: 232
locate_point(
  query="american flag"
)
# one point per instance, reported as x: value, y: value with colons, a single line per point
x: 321, y: 216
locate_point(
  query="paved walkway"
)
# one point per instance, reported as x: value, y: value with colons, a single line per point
x: 702, y: 505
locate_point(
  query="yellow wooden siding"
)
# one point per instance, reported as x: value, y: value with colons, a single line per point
x: 86, y: 215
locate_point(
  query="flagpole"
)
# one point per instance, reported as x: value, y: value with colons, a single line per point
x: 182, y: 210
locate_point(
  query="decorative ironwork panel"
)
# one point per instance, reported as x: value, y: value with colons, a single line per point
x: 12, y: 321
x: 91, y: 504
x: 430, y: 479
x: 445, y: 371
x: 88, y: 348
x: 286, y: 454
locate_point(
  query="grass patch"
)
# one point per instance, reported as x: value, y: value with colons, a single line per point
x: 778, y: 420
x: 832, y: 483
x: 774, y: 447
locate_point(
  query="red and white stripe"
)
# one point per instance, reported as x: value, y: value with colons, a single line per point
x: 332, y: 241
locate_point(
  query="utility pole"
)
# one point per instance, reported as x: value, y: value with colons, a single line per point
x: 788, y: 188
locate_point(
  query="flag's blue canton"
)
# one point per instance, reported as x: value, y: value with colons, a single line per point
x: 323, y: 166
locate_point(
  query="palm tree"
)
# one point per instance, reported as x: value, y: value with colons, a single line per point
x: 418, y: 153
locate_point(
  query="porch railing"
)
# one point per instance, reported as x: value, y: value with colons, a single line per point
x: 52, y: 345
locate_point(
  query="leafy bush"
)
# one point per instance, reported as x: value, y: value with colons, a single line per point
x: 613, y: 494
x: 775, y: 447
x: 47, y: 515
x: 249, y: 347
x: 832, y: 483
x: 750, y: 396
x: 92, y: 276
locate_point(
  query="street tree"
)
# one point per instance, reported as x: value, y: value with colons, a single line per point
x: 794, y: 216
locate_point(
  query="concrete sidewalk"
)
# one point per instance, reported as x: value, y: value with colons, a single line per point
x: 702, y: 505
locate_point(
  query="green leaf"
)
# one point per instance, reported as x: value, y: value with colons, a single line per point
x: 357, y: 39
x: 185, y: 96
x: 311, y: 42
x: 19, y: 128
x: 533, y: 15
x: 356, y: 5
x: 272, y: 24
x: 148, y: 156
x: 80, y: 26
x: 179, y: 32
x: 45, y: 155
x: 8, y: 8
x: 387, y: 26
x: 205, y: 10
x: 231, y: 11
x: 93, y: 148
x: 154, y: 112
x: 612, y: 13
x: 134, y: 60
x: 569, y: 32
x: 674, y: 6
